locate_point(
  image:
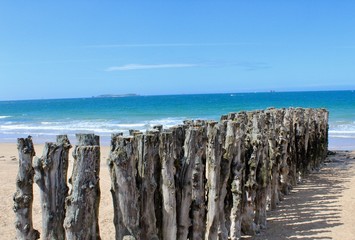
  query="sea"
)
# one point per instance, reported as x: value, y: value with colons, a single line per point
x: 44, y: 119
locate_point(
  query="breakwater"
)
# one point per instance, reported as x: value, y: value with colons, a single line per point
x: 199, y: 180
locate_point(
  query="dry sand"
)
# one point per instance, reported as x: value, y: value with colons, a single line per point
x: 322, y: 207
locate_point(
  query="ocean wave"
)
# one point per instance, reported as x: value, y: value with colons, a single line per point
x: 342, y: 129
x: 341, y: 136
x: 2, y: 117
x: 105, y: 127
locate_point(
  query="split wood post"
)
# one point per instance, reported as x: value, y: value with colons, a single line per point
x: 51, y: 177
x: 283, y: 142
x: 227, y: 138
x: 320, y: 140
x: 312, y: 140
x: 168, y: 190
x: 23, y: 198
x: 281, y: 157
x: 82, y: 204
x: 252, y: 160
x: 123, y: 163
x: 275, y: 156
x: 237, y: 181
x: 184, y: 181
x: 213, y: 175
x: 300, y: 133
x: 148, y: 165
x: 120, y: 229
x: 198, y: 184
x: 263, y: 175
x: 323, y: 132
x: 291, y: 158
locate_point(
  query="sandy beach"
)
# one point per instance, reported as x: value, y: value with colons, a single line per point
x: 322, y: 207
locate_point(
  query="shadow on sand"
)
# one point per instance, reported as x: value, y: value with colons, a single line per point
x: 312, y: 208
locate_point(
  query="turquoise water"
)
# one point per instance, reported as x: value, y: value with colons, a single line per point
x: 43, y: 119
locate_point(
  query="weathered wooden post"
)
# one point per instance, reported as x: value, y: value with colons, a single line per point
x: 291, y: 158
x: 300, y: 138
x: 184, y: 178
x: 263, y: 174
x: 82, y: 205
x: 227, y: 139
x: 237, y: 181
x: 275, y: 156
x: 120, y: 228
x: 323, y: 132
x: 23, y: 197
x: 252, y: 160
x: 312, y: 140
x: 51, y: 177
x: 148, y: 165
x: 168, y: 171
x: 123, y: 158
x: 198, y: 185
x: 213, y: 175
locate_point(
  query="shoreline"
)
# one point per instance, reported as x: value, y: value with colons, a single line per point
x: 320, y: 207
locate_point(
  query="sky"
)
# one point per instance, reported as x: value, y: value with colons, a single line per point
x: 67, y: 49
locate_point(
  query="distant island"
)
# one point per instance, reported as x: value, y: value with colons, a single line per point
x: 116, y: 95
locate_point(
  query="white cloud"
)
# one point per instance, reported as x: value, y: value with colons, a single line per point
x: 128, y: 67
x: 169, y: 45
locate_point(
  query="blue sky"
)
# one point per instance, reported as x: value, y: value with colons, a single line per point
x: 61, y: 49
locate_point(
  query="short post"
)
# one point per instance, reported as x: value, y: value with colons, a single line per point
x: 51, y: 177
x: 82, y: 205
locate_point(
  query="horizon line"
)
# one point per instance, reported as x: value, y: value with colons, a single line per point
x: 179, y: 94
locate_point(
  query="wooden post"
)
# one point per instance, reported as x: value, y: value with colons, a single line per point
x: 148, y: 165
x: 213, y: 176
x: 227, y: 138
x: 263, y: 177
x: 82, y: 205
x: 198, y: 185
x: 252, y: 161
x: 23, y: 197
x: 300, y: 138
x: 120, y: 229
x: 51, y: 177
x: 123, y: 163
x: 237, y: 181
x: 184, y: 178
x: 168, y: 171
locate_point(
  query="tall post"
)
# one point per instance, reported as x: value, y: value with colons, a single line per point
x: 51, y: 177
x: 198, y: 185
x: 148, y: 165
x: 237, y: 180
x: 184, y: 193
x: 82, y: 205
x: 123, y: 162
x: 168, y: 171
x: 23, y: 197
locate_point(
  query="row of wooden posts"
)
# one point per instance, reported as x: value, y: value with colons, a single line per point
x: 199, y: 180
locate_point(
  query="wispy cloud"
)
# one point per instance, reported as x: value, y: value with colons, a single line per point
x: 129, y: 67
x: 144, y: 45
x: 247, y: 66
